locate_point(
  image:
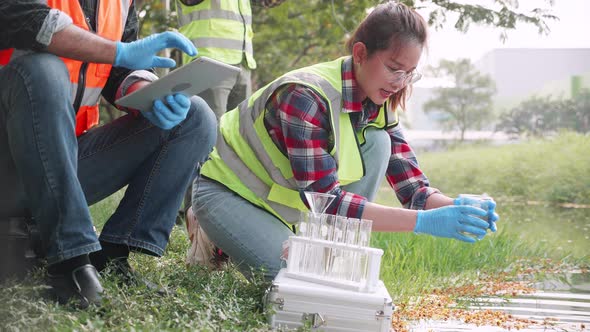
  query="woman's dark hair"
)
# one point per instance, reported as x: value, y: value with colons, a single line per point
x: 390, y: 24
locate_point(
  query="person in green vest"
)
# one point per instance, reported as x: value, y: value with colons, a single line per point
x: 222, y: 29
x: 330, y: 128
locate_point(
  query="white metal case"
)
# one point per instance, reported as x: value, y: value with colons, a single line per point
x: 296, y: 303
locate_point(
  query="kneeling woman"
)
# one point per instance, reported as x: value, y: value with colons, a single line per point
x: 330, y: 128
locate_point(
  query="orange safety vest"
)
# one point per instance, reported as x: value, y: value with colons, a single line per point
x: 88, y: 79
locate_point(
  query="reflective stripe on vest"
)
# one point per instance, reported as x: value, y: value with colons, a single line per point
x: 247, y: 161
x: 220, y: 29
x: 95, y: 75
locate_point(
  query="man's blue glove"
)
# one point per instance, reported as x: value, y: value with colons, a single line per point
x: 142, y: 54
x: 168, y: 115
x: 483, y: 202
x: 452, y: 222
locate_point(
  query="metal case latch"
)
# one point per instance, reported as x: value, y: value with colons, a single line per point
x: 279, y: 302
x: 379, y: 315
x: 316, y: 319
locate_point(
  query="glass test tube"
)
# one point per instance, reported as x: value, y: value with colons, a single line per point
x: 312, y: 257
x: 364, y: 241
x: 336, y: 262
x: 327, y: 233
x: 297, y: 249
x: 352, y: 230
x: 479, y: 201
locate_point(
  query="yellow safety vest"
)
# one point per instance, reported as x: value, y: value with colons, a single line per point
x: 247, y: 161
x: 220, y: 29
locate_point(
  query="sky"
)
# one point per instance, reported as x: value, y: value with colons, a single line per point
x: 572, y: 30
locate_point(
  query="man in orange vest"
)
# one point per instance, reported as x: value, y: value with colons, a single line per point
x: 57, y: 57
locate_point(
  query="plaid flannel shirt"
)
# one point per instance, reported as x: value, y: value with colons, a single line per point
x: 298, y: 121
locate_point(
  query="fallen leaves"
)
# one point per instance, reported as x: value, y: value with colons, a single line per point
x: 442, y: 304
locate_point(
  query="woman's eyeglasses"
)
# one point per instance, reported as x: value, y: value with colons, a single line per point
x: 400, y: 76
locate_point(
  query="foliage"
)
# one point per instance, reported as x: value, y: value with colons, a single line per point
x: 544, y: 116
x: 468, y: 103
x: 300, y: 33
x: 297, y: 34
x: 154, y: 17
x: 551, y: 170
x: 505, y: 17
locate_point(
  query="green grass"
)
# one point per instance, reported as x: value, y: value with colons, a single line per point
x: 224, y: 301
x: 413, y: 264
x: 198, y: 300
x: 552, y: 170
x: 549, y: 171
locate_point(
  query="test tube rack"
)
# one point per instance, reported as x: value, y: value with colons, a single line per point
x: 336, y: 264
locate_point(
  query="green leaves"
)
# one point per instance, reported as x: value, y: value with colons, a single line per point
x: 300, y: 33
x: 545, y: 116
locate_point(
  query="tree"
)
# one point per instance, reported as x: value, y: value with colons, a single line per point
x: 300, y: 33
x: 543, y: 116
x: 579, y: 117
x: 468, y: 103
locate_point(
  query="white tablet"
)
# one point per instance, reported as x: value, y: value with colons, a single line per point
x: 190, y: 79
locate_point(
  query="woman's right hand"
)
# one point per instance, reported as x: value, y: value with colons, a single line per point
x: 453, y: 222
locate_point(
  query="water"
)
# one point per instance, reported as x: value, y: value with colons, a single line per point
x: 564, y: 230
x: 561, y: 304
x: 562, y: 301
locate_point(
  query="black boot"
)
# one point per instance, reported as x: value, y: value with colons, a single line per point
x: 75, y: 281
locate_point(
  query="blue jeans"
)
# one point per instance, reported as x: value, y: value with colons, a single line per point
x: 61, y: 174
x: 251, y: 236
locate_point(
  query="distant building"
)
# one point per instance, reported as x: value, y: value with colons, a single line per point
x: 520, y: 73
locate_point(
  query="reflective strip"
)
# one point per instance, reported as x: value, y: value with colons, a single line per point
x: 247, y: 117
x: 230, y: 44
x: 249, y: 179
x: 125, y: 6
x: 209, y: 14
x: 219, y: 29
x: 91, y: 96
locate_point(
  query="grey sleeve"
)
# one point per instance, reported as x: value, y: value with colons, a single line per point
x: 29, y: 24
x: 135, y: 76
x: 55, y: 21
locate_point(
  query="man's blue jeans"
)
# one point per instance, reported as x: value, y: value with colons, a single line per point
x: 61, y: 174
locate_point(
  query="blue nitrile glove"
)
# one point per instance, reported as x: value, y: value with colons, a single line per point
x: 168, y: 115
x: 142, y: 54
x: 451, y: 221
x: 491, y: 217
